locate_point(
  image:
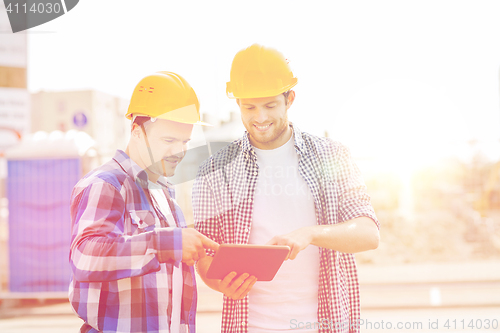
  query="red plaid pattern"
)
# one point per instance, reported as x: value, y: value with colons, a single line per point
x: 223, y: 203
x: 122, y: 261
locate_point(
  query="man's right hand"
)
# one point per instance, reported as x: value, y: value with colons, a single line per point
x: 194, y: 244
x: 231, y: 286
x: 236, y: 288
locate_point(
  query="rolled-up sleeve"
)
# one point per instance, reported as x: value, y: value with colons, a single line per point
x: 101, y: 250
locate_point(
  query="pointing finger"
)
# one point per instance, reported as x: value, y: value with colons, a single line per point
x: 209, y: 244
x: 293, y: 252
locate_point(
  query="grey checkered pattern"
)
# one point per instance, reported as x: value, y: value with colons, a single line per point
x: 223, y: 204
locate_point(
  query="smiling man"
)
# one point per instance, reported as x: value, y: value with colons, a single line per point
x: 279, y: 185
x: 131, y: 252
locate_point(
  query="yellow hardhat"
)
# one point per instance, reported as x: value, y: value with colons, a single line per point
x: 259, y: 71
x: 165, y: 95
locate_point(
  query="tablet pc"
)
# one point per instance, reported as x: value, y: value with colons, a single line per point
x: 261, y: 261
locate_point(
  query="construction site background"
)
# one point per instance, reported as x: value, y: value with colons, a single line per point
x: 453, y: 216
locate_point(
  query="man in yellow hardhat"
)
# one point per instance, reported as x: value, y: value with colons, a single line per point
x: 279, y: 185
x: 131, y: 254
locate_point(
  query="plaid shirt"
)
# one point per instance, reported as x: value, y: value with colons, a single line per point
x: 223, y: 203
x: 122, y: 261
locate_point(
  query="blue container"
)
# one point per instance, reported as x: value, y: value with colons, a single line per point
x: 39, y: 223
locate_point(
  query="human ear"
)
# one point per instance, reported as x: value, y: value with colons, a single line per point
x: 291, y: 98
x: 136, y: 131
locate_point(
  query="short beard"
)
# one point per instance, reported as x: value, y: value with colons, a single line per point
x: 279, y: 132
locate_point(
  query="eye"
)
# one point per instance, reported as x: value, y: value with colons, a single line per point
x: 168, y: 140
x: 249, y: 107
x: 271, y: 106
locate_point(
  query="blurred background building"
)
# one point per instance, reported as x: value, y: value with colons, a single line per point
x: 14, y: 115
x: 14, y: 96
x: 96, y: 113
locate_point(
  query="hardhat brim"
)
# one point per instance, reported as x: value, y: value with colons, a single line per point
x: 185, y: 115
x: 233, y: 93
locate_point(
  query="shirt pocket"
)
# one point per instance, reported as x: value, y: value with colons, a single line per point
x: 142, y: 220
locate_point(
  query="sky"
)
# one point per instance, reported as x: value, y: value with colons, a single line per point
x: 407, y: 82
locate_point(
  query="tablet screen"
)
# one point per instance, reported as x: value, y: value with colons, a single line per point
x: 262, y: 261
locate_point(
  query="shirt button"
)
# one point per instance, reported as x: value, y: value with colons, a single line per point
x: 243, y: 323
x: 246, y: 230
x: 255, y: 173
x: 249, y: 200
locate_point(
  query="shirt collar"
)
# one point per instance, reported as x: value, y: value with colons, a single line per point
x: 299, y: 140
x: 247, y: 147
x: 162, y: 180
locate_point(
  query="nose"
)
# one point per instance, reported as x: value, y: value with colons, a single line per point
x: 178, y: 149
x: 261, y: 115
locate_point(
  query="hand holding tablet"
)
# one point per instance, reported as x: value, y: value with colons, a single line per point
x: 261, y: 261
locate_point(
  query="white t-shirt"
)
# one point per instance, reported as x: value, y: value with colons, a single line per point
x: 157, y: 193
x: 283, y: 203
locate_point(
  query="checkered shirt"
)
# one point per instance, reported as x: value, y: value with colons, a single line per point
x: 122, y: 261
x: 223, y: 195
